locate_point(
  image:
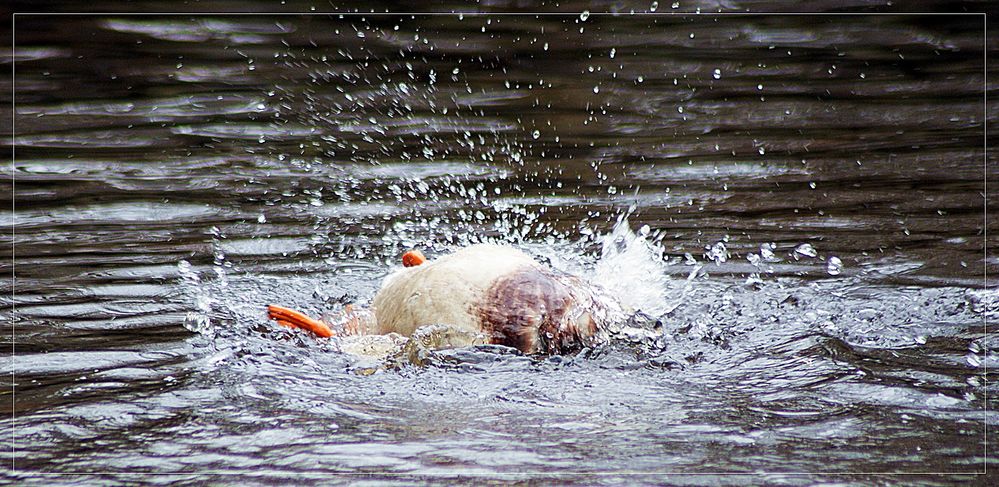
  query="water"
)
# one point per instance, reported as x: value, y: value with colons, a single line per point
x: 800, y: 199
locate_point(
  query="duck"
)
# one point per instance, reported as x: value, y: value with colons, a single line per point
x: 496, y: 294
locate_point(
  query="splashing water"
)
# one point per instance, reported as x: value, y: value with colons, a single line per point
x: 320, y: 148
x: 197, y: 320
x: 630, y: 268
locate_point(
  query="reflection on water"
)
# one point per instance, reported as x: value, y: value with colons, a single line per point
x: 804, y: 199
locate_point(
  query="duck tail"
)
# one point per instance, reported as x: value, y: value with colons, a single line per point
x: 294, y: 319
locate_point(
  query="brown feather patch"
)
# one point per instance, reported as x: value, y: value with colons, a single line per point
x: 528, y: 309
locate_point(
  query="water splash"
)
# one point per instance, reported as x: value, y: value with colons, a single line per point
x: 203, y: 289
x: 630, y: 267
x: 197, y: 320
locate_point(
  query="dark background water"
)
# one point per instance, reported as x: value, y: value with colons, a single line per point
x: 176, y: 173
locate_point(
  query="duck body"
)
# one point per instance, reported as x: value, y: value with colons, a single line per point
x: 500, y: 292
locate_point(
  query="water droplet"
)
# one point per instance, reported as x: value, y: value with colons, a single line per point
x: 811, y: 184
x: 261, y: 218
x: 718, y: 253
x: 536, y: 134
x: 196, y: 322
x: 654, y: 7
x: 835, y: 266
x: 759, y: 87
x: 717, y: 74
x: 596, y: 89
x: 807, y: 250
x: 973, y: 360
x: 585, y: 15
x: 613, y: 52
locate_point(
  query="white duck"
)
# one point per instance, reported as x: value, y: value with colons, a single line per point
x: 493, y: 290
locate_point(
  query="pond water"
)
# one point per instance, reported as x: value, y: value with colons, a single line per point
x: 800, y: 200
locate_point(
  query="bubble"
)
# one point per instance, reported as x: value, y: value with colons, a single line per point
x: 654, y: 7
x: 717, y: 74
x: 585, y: 15
x: 596, y: 89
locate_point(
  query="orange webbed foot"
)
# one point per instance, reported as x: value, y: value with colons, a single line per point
x: 293, y: 319
x: 413, y: 258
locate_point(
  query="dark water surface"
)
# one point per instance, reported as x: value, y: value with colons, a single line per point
x: 814, y: 191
